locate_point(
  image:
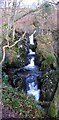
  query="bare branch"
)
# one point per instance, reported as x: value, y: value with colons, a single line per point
x: 7, y: 46
x: 14, y: 11
x: 17, y: 41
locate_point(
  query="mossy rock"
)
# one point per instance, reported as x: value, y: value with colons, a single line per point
x: 44, y: 45
x: 54, y: 107
x: 49, y: 85
x: 52, y: 110
x: 46, y: 49
x: 16, y: 57
x: 50, y: 60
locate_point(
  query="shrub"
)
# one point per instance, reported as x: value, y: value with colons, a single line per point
x: 5, y: 78
x: 20, y: 102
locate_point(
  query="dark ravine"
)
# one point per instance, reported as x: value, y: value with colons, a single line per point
x: 30, y: 72
x: 31, y: 78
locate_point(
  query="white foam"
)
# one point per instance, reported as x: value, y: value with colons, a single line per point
x: 31, y: 62
x: 34, y: 91
x: 30, y: 52
x: 31, y: 39
x: 32, y: 86
x: 31, y: 65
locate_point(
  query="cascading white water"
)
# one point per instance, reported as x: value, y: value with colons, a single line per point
x: 32, y: 62
x: 32, y: 87
x: 31, y: 38
x: 34, y: 91
x: 31, y: 52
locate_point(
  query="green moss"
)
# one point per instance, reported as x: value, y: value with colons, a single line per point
x: 54, y: 107
x: 49, y: 60
x: 52, y: 110
x: 6, y: 60
x: 5, y: 78
x: 12, y: 58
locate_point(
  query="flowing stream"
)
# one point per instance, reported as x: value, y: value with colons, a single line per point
x: 29, y: 72
x: 31, y: 78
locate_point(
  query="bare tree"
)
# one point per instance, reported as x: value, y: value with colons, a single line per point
x: 10, y: 15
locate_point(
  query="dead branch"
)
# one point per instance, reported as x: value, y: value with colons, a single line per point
x: 10, y: 46
x: 17, y: 41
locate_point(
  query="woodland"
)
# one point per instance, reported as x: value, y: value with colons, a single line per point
x: 29, y: 61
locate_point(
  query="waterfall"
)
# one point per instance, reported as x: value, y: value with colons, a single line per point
x: 33, y: 91
x: 32, y: 61
x: 30, y: 72
x: 31, y: 38
x: 31, y: 54
x: 31, y: 80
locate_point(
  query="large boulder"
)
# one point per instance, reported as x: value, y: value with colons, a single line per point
x: 45, y: 49
x: 17, y: 55
x: 48, y: 85
x: 44, y: 44
x: 25, y: 24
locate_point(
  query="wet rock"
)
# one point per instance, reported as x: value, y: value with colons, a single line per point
x: 48, y: 85
x: 25, y: 24
x: 32, y: 47
x: 15, y: 78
